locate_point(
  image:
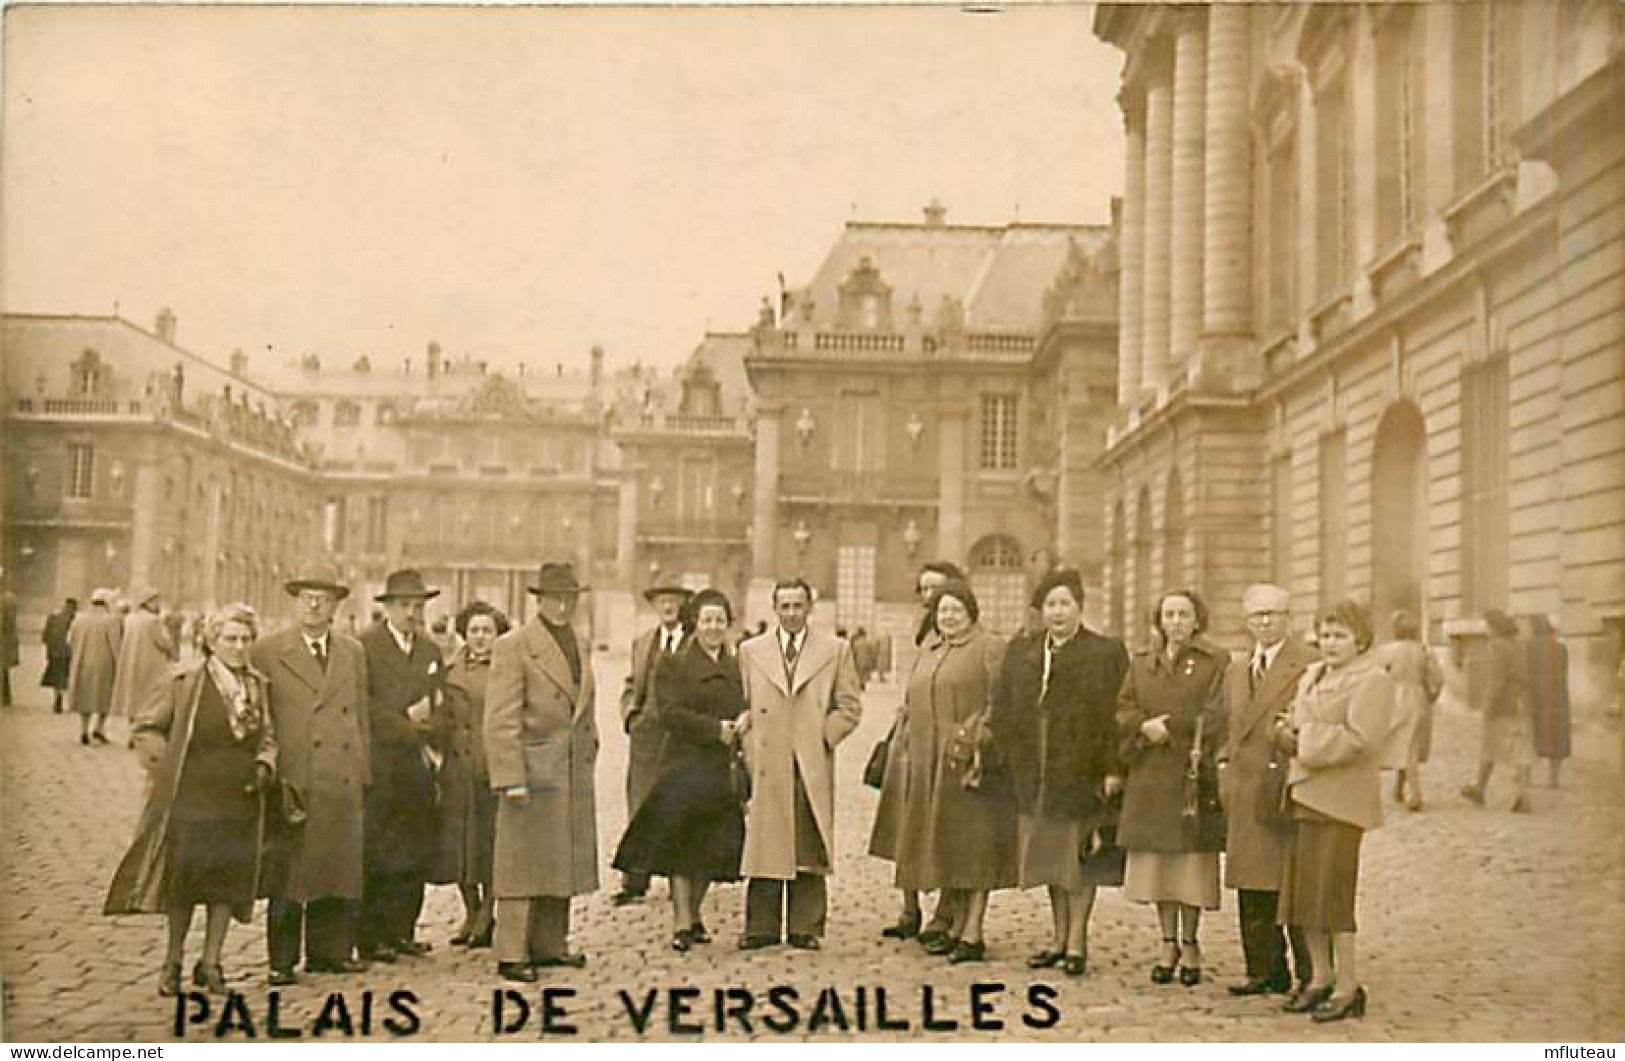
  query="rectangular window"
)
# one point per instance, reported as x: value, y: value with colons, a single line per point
x: 1334, y: 523
x: 1281, y: 224
x: 333, y: 525
x: 1467, y: 44
x: 998, y: 432
x: 1399, y: 114
x: 1485, y: 427
x: 1332, y: 187
x: 1281, y: 520
x: 855, y: 586
x: 81, y: 469
x: 377, y: 515
x: 860, y: 438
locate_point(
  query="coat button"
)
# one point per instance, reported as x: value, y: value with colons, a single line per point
x: 317, y: 743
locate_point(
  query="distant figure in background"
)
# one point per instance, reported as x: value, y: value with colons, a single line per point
x: 175, y: 630
x: 1506, y: 737
x: 447, y: 639
x: 94, y: 641
x: 1548, y: 695
x: 1416, y: 683
x: 9, y: 649
x: 145, y: 656
x: 58, y: 651
x: 865, y: 650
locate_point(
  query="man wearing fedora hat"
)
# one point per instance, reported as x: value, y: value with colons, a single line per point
x: 541, y: 742
x: 317, y: 688
x: 405, y: 675
x: 638, y: 705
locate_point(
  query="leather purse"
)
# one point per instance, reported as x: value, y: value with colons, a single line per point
x: 874, y: 771
x: 1271, y: 806
x: 739, y: 776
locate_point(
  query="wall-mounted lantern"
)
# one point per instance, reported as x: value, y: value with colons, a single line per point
x: 802, y: 535
x: 915, y: 428
x: 911, y: 536
x: 805, y: 426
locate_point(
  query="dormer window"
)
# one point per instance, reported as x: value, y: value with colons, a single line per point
x: 865, y: 299
x: 702, y: 394
x: 87, y: 375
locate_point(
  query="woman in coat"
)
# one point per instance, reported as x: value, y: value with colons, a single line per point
x: 951, y: 837
x: 1410, y: 736
x: 1175, y: 690
x: 1336, y: 734
x: 206, y: 737
x: 1052, y: 727
x: 58, y: 653
x: 468, y: 807
x: 691, y: 829
x: 145, y: 654
x: 93, y: 643
x: 1505, y: 738
x: 1548, y: 695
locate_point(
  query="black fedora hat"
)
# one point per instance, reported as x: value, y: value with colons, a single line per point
x: 556, y: 578
x: 318, y: 575
x: 406, y: 585
x: 660, y: 588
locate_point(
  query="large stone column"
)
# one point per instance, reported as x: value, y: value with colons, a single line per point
x: 1159, y: 133
x: 1227, y: 191
x: 951, y: 485
x: 1185, y: 241
x: 1131, y: 252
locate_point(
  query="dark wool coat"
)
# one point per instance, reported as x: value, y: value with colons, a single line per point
x: 1254, y: 850
x: 640, y: 717
x: 1187, y: 688
x: 162, y: 732
x: 322, y: 732
x: 1081, y: 750
x: 401, y: 807
x: 467, y: 808
x: 540, y: 731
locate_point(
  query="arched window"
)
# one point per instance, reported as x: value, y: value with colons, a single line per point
x: 1000, y: 581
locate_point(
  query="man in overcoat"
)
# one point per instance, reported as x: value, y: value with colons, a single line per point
x: 94, y: 641
x: 316, y: 678
x: 405, y: 678
x: 802, y: 688
x: 144, y: 657
x: 638, y: 711
x: 541, y: 742
x: 1257, y: 691
x: 58, y: 653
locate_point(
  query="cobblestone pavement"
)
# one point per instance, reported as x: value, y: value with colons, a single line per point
x: 1475, y: 925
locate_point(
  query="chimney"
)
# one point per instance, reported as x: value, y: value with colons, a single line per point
x: 434, y: 359
x: 936, y: 215
x: 164, y: 326
x: 239, y: 362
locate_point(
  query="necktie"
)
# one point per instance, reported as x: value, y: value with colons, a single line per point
x: 1256, y: 674
x: 320, y: 652
x: 671, y: 642
x: 790, y: 650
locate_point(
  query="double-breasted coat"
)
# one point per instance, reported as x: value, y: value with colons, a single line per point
x: 323, y: 733
x: 794, y: 725
x: 143, y: 662
x: 94, y: 641
x: 886, y: 833
x: 467, y: 807
x: 640, y: 701
x: 1254, y: 850
x: 401, y: 806
x: 950, y: 836
x: 162, y: 732
x: 1187, y: 688
x: 540, y: 732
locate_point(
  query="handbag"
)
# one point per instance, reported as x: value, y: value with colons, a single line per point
x: 1270, y: 807
x: 874, y: 771
x: 739, y: 776
x: 1202, y: 808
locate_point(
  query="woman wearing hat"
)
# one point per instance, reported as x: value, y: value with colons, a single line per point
x: 541, y: 740
x: 692, y: 827
x: 94, y: 641
x: 206, y: 737
x: 144, y: 655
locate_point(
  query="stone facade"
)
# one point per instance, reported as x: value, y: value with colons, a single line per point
x: 1407, y: 385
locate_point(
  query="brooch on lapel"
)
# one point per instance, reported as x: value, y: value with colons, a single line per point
x: 1190, y: 666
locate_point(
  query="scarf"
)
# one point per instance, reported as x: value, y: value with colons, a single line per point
x: 241, y: 693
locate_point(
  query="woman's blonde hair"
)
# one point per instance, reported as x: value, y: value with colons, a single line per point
x: 236, y: 612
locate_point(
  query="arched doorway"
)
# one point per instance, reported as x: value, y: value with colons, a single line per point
x: 1399, y: 515
x: 1173, y: 534
x: 1138, y: 628
x: 1000, y: 582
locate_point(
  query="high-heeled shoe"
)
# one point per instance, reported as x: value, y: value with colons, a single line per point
x: 1045, y: 958
x: 1333, y: 1009
x: 211, y: 978
x: 1075, y: 964
x: 1162, y: 973
x: 941, y: 943
x: 481, y: 939
x: 697, y: 932
x: 682, y: 940
x: 1305, y: 999
x: 906, y: 927
x: 1190, y: 975
x: 968, y: 952
x: 169, y: 979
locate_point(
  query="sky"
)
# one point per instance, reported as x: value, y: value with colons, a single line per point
x: 518, y: 184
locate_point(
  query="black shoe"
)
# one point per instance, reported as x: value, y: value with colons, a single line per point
x: 801, y: 941
x: 281, y: 978
x: 169, y: 979
x: 1332, y: 1009
x: 342, y: 965
x: 968, y: 952
x: 520, y: 972
x: 211, y: 978
x: 413, y: 948
x: 698, y: 934
x: 380, y: 953
x: 1190, y: 977
x: 907, y: 926
x: 757, y: 942
x: 1044, y: 959
x: 1253, y: 985
x: 682, y: 940
x: 939, y: 944
x: 567, y: 961
x: 623, y: 897
x: 931, y: 937
x: 100, y: 738
x: 482, y: 939
x: 84, y: 738
x: 1306, y: 999
x: 1075, y: 964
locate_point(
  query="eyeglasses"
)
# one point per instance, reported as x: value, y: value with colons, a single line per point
x: 314, y: 597
x: 1264, y: 615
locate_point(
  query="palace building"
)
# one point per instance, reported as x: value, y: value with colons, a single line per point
x: 1372, y: 311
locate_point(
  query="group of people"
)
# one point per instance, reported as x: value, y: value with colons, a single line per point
x: 308, y: 767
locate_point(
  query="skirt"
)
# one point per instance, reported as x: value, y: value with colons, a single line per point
x: 1507, y: 740
x: 691, y: 825
x: 1188, y: 877
x: 56, y: 673
x: 210, y: 862
x: 1049, y: 853
x: 1320, y: 874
